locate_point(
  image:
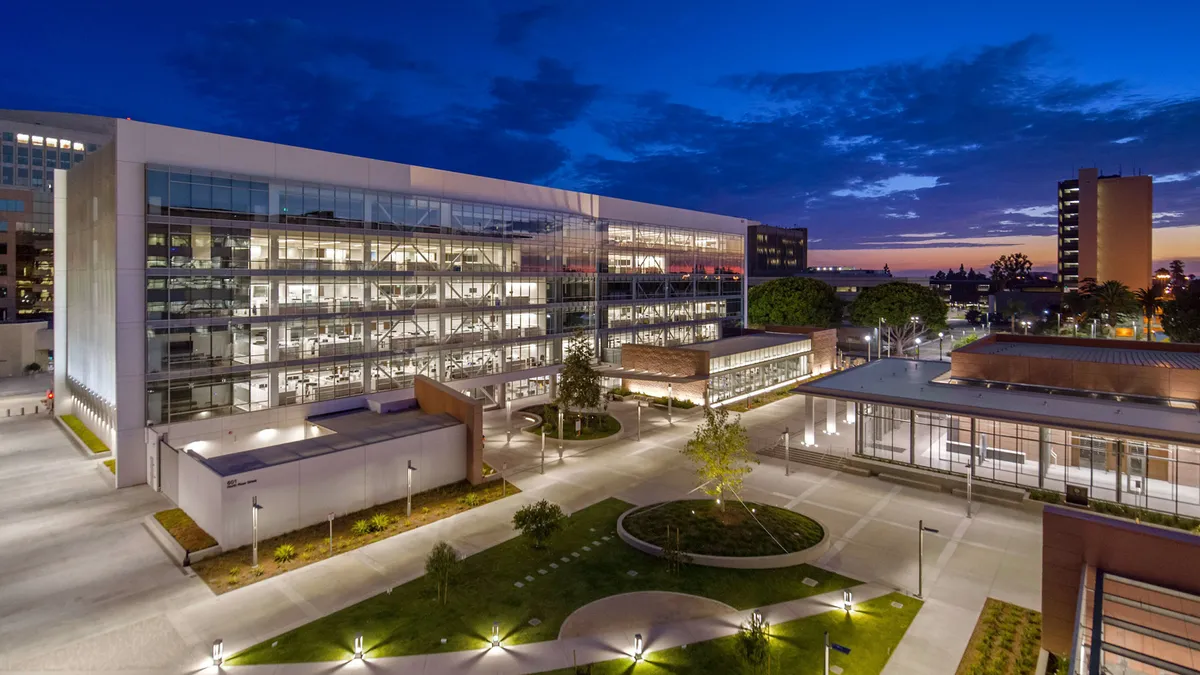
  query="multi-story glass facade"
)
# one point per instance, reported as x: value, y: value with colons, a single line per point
x: 29, y: 159
x: 1068, y: 234
x: 264, y: 292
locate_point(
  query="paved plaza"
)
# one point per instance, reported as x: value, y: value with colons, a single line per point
x: 86, y: 588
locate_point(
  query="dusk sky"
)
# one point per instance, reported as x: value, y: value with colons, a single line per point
x: 920, y: 134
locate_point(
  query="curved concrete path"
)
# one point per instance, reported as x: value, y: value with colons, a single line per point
x: 630, y: 612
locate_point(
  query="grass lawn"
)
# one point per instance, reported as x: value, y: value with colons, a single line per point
x: 232, y: 569
x: 409, y: 620
x: 185, y: 530
x: 871, y: 632
x: 601, y: 425
x: 706, y: 529
x: 1006, y: 641
x: 89, y: 439
x: 111, y: 465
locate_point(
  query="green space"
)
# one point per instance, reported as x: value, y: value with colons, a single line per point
x: 872, y: 632
x: 89, y: 439
x: 185, y: 530
x: 111, y: 465
x: 592, y: 425
x: 1006, y: 641
x: 731, y: 529
x: 410, y: 620
x: 1124, y: 511
x: 291, y: 550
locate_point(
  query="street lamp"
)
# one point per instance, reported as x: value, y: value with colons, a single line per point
x: 408, y: 507
x: 918, y: 349
x: 868, y: 349
x: 921, y: 530
x: 255, y: 507
x: 940, y: 342
x: 880, y: 336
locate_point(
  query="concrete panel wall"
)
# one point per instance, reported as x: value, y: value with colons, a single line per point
x: 435, y: 397
x: 334, y: 483
x: 278, y: 492
x: 200, y: 494
x: 1124, y: 231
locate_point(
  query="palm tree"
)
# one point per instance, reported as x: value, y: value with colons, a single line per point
x: 1149, y: 299
x: 1113, y: 299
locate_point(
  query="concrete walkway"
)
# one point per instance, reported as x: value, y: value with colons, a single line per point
x: 131, y: 625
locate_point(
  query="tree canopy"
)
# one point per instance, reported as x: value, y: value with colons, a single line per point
x: 1010, y: 267
x: 720, y: 452
x: 794, y: 301
x: 579, y: 382
x: 1112, y: 299
x: 897, y: 303
x: 1181, y: 315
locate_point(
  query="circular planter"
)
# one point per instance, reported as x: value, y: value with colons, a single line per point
x: 534, y: 430
x: 760, y: 562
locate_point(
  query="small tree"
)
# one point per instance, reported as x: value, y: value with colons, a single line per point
x: 440, y: 566
x: 1181, y: 316
x: 720, y: 453
x: 671, y: 552
x: 1112, y: 300
x: 578, y: 382
x: 1149, y: 300
x: 753, y: 643
x: 539, y: 521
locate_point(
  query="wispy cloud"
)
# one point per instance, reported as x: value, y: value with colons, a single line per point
x: 907, y: 215
x: 904, y: 182
x: 1176, y: 177
x: 1127, y: 139
x: 1168, y: 215
x: 919, y: 235
x: 1035, y: 211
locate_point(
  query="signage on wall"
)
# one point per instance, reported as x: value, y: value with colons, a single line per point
x: 233, y: 482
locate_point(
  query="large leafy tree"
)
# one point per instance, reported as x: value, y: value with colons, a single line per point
x: 579, y: 382
x: 720, y: 453
x: 1181, y: 315
x: 794, y: 301
x: 1009, y: 268
x: 1178, y: 280
x: 1149, y: 300
x: 1113, y: 300
x: 898, y: 303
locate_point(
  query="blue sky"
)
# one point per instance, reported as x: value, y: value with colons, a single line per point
x: 920, y: 134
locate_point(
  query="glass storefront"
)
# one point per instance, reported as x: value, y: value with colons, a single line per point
x: 1139, y: 472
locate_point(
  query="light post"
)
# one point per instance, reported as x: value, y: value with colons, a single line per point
x: 918, y: 349
x: 880, y: 336
x: 940, y: 343
x: 330, y: 516
x: 408, y: 507
x: 670, y: 395
x: 560, y: 433
x: 921, y: 530
x: 787, y: 451
x: 639, y: 405
x: 255, y: 507
x: 543, y: 448
x: 868, y: 349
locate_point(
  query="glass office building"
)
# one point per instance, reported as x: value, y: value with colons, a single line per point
x: 263, y: 292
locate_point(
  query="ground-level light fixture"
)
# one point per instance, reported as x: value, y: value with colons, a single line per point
x: 495, y: 633
x: 358, y: 646
x: 847, y: 600
x: 637, y: 647
x: 218, y: 652
x: 756, y: 617
x: 718, y: 500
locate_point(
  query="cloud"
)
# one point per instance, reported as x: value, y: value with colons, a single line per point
x: 919, y: 235
x: 1167, y: 215
x: 907, y: 215
x: 1035, y: 211
x: 513, y: 28
x: 881, y: 188
x: 283, y: 81
x: 1127, y: 139
x: 1177, y: 177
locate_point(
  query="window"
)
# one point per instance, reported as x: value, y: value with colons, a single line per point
x: 12, y: 205
x: 3, y: 248
x: 3, y: 291
x: 3, y: 269
x: 91, y: 147
x: 7, y: 174
x: 8, y: 136
x: 22, y: 138
x: 3, y: 226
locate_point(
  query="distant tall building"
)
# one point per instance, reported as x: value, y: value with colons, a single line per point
x: 776, y: 251
x: 1105, y: 229
x: 32, y: 146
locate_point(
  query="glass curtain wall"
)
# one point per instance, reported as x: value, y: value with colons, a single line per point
x: 1148, y: 474
x: 263, y: 293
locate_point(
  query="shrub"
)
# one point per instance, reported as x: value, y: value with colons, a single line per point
x: 682, y: 404
x: 257, y: 570
x: 470, y: 500
x: 284, y: 553
x: 620, y: 391
x: 1048, y: 496
x: 32, y: 368
x: 234, y: 571
x: 753, y: 646
x: 360, y: 527
x: 380, y: 522
x: 539, y: 521
x: 965, y: 340
x: 440, y: 566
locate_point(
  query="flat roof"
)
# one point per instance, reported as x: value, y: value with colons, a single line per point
x: 908, y: 383
x: 746, y: 343
x: 1114, y: 355
x: 354, y: 428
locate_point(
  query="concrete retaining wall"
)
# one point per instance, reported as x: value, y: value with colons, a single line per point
x: 763, y: 562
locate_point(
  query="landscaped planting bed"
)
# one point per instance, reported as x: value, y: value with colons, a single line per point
x: 89, y: 439
x: 731, y: 529
x: 1124, y: 511
x: 514, y: 584
x: 233, y: 569
x: 594, y: 426
x: 185, y: 530
x: 872, y: 633
x: 1006, y: 641
x: 759, y: 401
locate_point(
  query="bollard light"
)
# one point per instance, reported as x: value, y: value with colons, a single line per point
x: 637, y: 647
x: 218, y: 652
x: 756, y: 617
x: 358, y: 646
x: 847, y: 599
x: 718, y: 501
x: 495, y: 633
